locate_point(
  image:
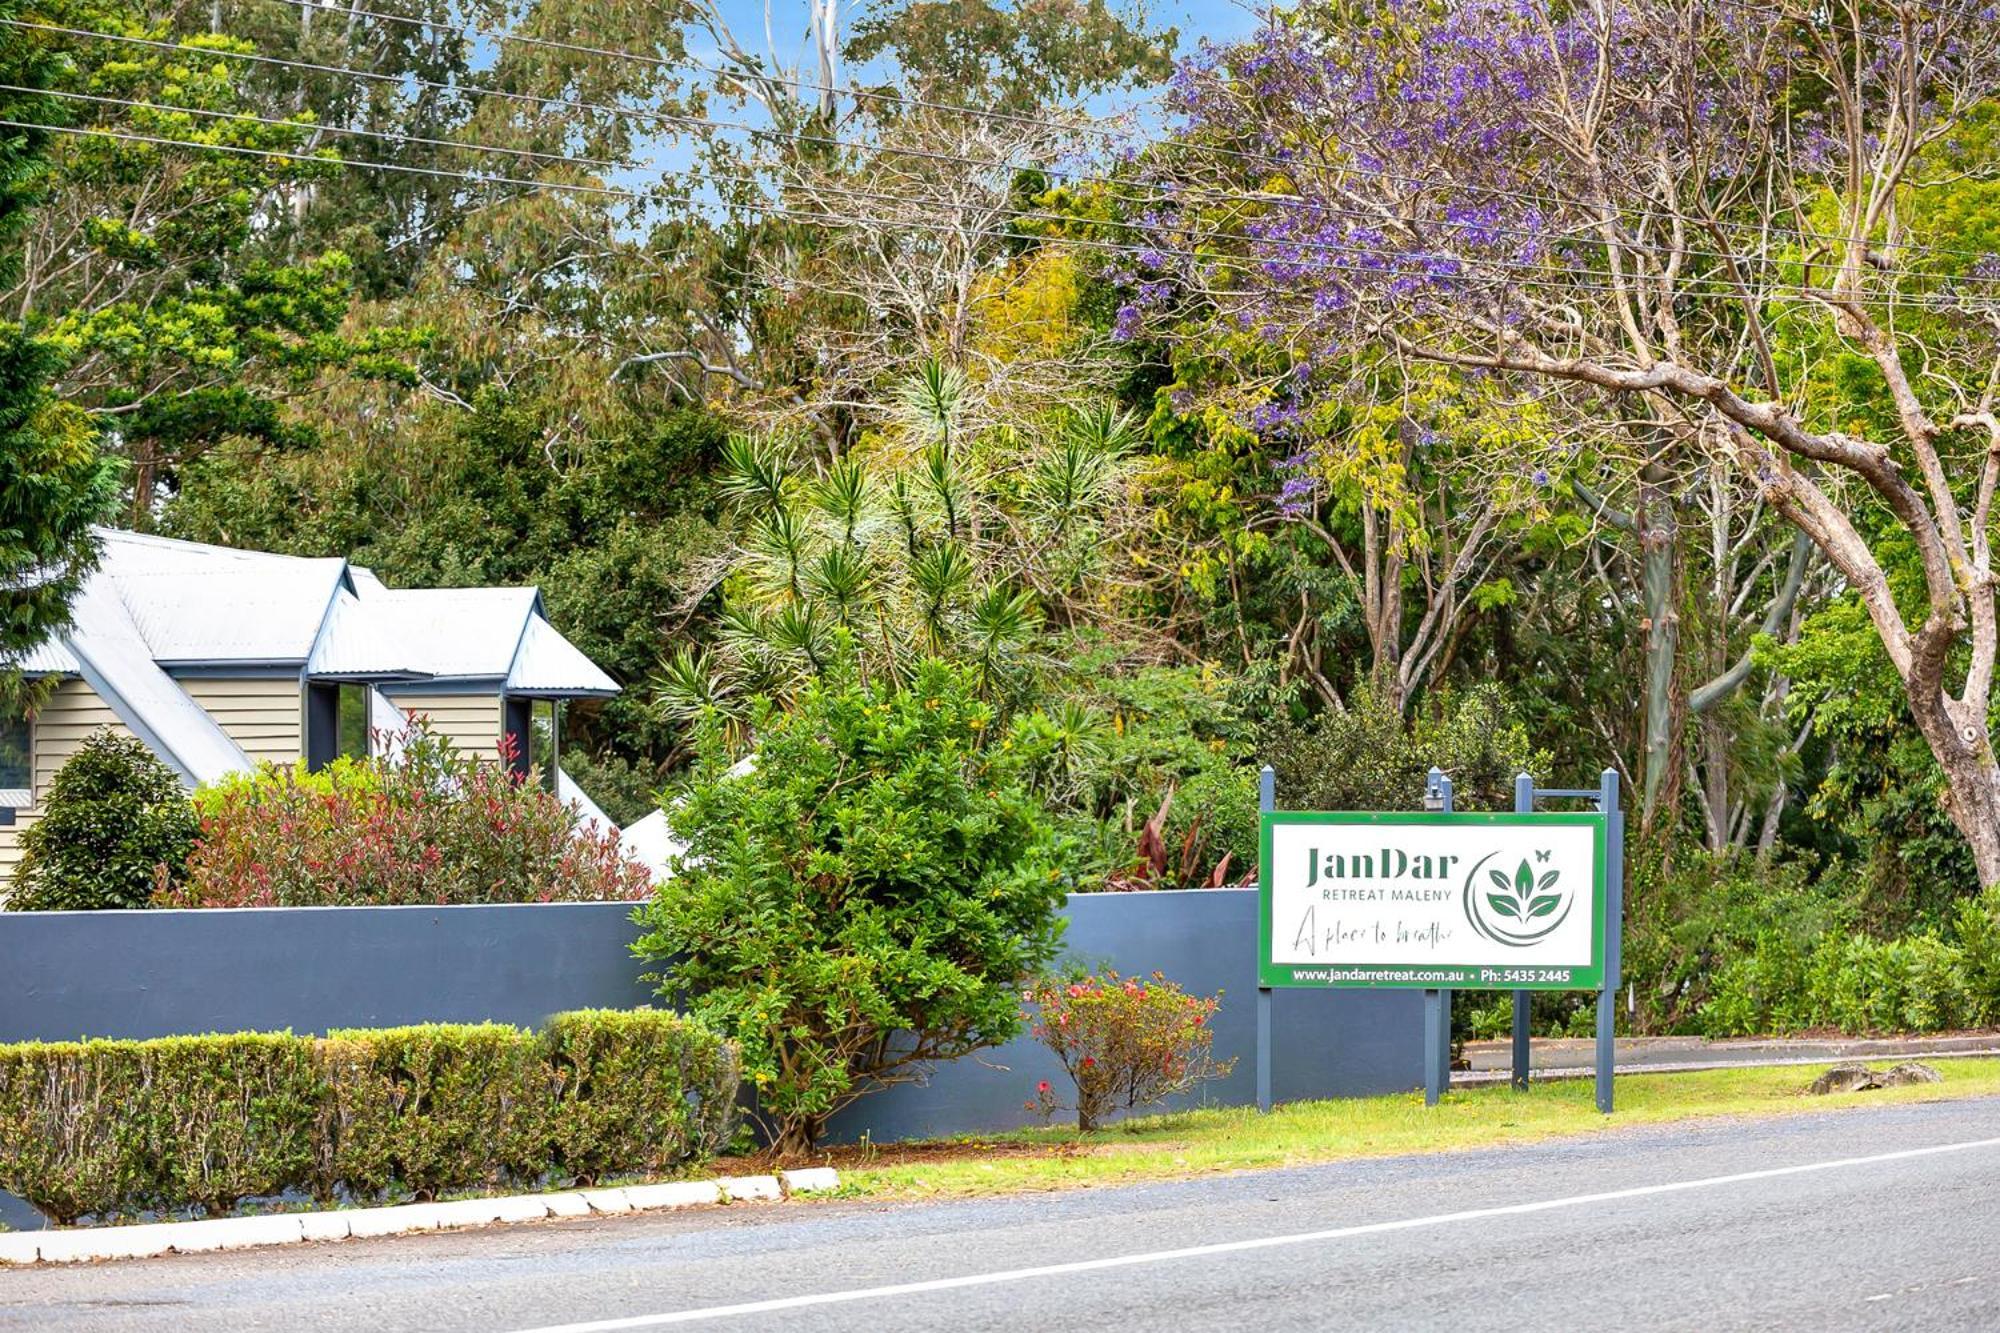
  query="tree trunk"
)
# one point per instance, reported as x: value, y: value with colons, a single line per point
x: 796, y: 1137
x: 145, y: 482
x: 1659, y: 541
x: 1972, y: 795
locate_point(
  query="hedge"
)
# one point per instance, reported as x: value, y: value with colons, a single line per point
x: 111, y: 1128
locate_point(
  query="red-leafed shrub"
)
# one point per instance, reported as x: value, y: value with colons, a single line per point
x: 1126, y: 1042
x: 428, y: 825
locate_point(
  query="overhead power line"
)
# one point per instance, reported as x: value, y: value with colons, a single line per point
x: 1564, y: 276
x: 1134, y: 250
x: 314, y: 127
x: 501, y: 35
x: 684, y: 121
x: 1139, y: 250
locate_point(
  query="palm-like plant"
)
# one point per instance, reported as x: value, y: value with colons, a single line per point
x: 919, y: 547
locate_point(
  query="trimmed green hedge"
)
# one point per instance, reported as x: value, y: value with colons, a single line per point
x: 98, y: 1128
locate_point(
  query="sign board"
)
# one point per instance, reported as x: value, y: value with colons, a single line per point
x: 1437, y: 901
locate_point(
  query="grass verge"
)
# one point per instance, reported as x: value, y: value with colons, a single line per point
x: 1300, y: 1133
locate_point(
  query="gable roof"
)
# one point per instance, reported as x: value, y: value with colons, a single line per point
x: 196, y: 604
x: 114, y: 658
x: 155, y: 606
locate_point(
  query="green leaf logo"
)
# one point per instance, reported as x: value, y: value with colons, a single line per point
x: 1520, y: 908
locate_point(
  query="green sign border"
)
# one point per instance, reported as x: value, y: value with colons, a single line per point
x: 1436, y: 976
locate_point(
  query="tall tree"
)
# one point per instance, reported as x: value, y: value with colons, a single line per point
x: 53, y: 484
x: 1641, y: 201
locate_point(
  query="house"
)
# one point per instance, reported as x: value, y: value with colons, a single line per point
x: 220, y: 659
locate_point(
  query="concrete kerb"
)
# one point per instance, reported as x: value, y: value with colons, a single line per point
x: 84, y: 1244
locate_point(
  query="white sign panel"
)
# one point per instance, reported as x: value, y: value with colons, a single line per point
x: 1504, y: 901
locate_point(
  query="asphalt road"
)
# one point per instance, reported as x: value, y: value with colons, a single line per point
x: 1875, y: 1217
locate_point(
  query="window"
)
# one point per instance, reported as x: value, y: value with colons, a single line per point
x: 336, y: 722
x: 353, y: 728
x: 17, y: 753
x: 535, y: 727
x: 545, y: 740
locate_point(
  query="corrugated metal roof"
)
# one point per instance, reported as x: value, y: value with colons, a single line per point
x: 155, y: 603
x: 210, y: 605
x: 651, y: 842
x: 549, y: 666
x: 587, y: 810
x: 51, y: 658
x: 116, y: 662
x: 355, y: 644
x: 470, y: 632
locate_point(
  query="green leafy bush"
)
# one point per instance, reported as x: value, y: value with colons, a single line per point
x: 1738, y: 948
x: 612, y: 1112
x: 69, y: 1143
x: 1717, y: 943
x: 436, y: 1107
x: 116, y: 823
x: 868, y: 901
x: 429, y: 825
x: 1125, y: 1042
x: 103, y: 1128
x: 227, y: 1117
x: 1370, y: 757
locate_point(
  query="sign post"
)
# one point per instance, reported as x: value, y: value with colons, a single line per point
x: 1445, y: 901
x: 1267, y: 803
x: 1437, y: 1002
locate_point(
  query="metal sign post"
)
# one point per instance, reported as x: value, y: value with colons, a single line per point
x: 1445, y: 901
x: 1605, y: 797
x: 1437, y: 1002
x: 1267, y: 803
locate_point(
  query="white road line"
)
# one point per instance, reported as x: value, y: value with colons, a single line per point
x: 1236, y: 1246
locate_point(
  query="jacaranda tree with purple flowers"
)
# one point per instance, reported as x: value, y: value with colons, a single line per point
x: 1710, y: 226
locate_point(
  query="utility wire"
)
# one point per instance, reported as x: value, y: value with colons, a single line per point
x: 700, y: 122
x: 246, y: 117
x: 305, y: 157
x: 1563, y: 273
x: 465, y: 31
x: 1138, y: 250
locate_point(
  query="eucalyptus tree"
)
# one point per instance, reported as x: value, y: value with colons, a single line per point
x: 1707, y: 210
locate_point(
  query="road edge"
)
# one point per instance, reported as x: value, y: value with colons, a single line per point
x: 149, y: 1239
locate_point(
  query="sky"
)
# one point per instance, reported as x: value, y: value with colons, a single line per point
x: 1216, y: 20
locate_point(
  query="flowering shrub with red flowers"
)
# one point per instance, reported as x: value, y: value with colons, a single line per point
x: 1126, y: 1042
x: 423, y: 824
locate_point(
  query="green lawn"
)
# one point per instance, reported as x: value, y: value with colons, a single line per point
x: 1200, y: 1142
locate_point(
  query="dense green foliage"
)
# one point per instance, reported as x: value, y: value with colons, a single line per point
x: 1738, y: 950
x: 418, y: 822
x: 107, y: 1129
x: 941, y: 383
x: 116, y: 827
x: 1371, y: 757
x: 53, y: 483
x: 869, y: 899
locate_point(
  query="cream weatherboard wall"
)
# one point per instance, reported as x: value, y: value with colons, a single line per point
x: 469, y: 721
x: 260, y: 713
x: 69, y: 716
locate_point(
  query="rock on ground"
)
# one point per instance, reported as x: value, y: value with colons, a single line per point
x: 1857, y: 1077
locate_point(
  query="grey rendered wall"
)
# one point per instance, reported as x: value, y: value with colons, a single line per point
x: 1345, y: 1043
x: 65, y: 975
